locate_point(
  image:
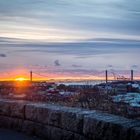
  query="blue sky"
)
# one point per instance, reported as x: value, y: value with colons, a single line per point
x: 65, y: 36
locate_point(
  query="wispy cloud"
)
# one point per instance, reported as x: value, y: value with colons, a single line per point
x: 69, y: 20
x: 76, y: 66
x: 3, y: 55
x: 134, y: 66
x: 57, y: 63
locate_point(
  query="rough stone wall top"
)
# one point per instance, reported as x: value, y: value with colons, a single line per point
x: 90, y: 124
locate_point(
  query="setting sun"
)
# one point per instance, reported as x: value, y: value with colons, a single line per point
x: 20, y: 79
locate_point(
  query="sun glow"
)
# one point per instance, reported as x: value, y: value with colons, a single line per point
x: 20, y: 79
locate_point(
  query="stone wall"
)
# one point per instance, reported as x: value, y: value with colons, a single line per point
x: 54, y: 122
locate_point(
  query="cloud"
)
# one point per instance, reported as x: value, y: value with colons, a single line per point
x: 76, y: 66
x: 109, y: 66
x: 57, y: 63
x: 3, y: 55
x: 99, y: 53
x: 81, y: 49
x: 31, y: 18
x: 134, y: 66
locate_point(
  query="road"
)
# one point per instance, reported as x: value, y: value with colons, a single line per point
x: 13, y: 135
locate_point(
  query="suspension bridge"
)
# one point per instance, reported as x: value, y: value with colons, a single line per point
x: 116, y: 75
x: 105, y: 75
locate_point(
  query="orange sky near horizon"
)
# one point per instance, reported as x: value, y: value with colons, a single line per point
x: 25, y: 75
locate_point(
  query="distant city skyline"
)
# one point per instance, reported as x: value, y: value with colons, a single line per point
x: 68, y: 38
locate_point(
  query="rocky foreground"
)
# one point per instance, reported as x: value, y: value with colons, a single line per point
x: 56, y: 122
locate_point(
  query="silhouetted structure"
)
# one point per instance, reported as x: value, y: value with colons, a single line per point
x: 31, y: 76
x: 106, y: 75
x: 132, y: 75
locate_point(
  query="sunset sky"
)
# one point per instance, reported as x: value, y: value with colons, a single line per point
x: 69, y: 38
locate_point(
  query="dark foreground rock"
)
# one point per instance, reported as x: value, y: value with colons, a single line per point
x: 13, y: 135
x: 55, y: 122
